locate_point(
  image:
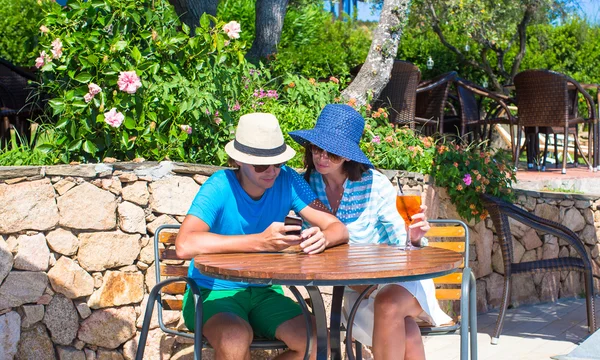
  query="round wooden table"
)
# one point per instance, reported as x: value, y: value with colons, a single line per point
x: 338, y: 266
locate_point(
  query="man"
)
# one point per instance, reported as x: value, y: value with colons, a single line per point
x: 242, y: 211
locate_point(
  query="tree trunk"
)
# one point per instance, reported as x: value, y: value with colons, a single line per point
x: 375, y: 72
x: 190, y: 11
x: 269, y: 23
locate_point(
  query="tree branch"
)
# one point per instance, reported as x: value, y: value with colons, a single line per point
x: 522, y: 31
x: 375, y: 72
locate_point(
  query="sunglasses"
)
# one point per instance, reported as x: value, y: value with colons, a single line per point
x: 317, y: 151
x: 263, y: 168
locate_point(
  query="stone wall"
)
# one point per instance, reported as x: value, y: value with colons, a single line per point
x: 77, y: 260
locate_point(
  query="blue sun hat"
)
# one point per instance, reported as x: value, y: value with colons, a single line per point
x: 338, y: 131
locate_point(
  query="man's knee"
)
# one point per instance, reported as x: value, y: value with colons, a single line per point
x: 228, y: 333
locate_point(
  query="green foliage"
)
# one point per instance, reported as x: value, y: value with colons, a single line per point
x: 467, y: 172
x: 391, y: 147
x: 569, y: 48
x: 185, y: 82
x: 20, y: 152
x: 312, y: 43
x: 19, y: 29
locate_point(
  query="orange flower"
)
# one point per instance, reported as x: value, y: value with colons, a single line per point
x: 459, y: 187
x: 389, y: 139
x: 472, y: 206
x: 352, y: 102
x: 455, y: 164
x: 334, y: 79
x: 292, y: 84
x: 312, y: 81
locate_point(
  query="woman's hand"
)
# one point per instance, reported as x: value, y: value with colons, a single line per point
x: 418, y: 226
x: 314, y: 240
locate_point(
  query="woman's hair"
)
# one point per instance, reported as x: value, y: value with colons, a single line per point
x: 232, y: 163
x: 353, y: 169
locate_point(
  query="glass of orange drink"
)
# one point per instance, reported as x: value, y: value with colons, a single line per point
x: 408, y: 203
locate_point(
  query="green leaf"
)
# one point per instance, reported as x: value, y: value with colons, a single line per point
x: 93, y: 59
x: 84, y: 77
x: 185, y: 28
x: 75, y: 145
x: 45, y: 148
x: 204, y: 21
x: 129, y: 123
x: 136, y: 55
x: 57, y: 106
x: 89, y: 147
x: 120, y: 45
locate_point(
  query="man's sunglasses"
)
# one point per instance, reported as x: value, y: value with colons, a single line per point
x: 263, y: 168
x: 318, y: 152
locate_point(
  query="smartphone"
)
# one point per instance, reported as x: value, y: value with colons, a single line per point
x: 293, y: 220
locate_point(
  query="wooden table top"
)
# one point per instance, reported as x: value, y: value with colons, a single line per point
x: 340, y: 265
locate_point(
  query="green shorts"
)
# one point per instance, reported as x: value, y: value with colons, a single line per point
x: 264, y: 308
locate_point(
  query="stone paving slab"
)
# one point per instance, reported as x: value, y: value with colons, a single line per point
x: 530, y: 332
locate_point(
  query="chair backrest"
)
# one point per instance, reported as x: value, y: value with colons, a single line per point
x: 501, y: 210
x: 430, y: 103
x: 169, y: 265
x: 15, y: 80
x: 543, y: 98
x: 401, y: 91
x: 470, y: 112
x: 451, y: 235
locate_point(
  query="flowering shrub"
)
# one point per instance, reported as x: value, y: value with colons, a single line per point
x: 126, y: 80
x: 467, y: 172
x: 392, y: 147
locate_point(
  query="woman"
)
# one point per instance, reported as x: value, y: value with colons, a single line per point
x: 364, y: 200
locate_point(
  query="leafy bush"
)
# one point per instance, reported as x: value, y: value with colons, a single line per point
x: 19, y: 27
x: 392, y: 147
x: 126, y: 83
x: 312, y: 44
x: 466, y: 172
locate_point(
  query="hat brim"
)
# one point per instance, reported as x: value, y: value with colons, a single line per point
x: 259, y: 160
x: 332, y: 143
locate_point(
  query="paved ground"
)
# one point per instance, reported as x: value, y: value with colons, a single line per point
x: 577, y: 179
x: 530, y: 332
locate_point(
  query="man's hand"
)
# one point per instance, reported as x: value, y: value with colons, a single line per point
x: 314, y: 240
x: 275, y: 238
x: 418, y: 226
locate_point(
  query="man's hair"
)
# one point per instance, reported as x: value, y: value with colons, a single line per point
x: 353, y: 169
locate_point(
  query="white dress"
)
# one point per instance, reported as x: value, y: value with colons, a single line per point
x: 368, y: 209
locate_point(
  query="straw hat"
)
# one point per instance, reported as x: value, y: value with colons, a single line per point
x: 338, y: 131
x: 259, y: 141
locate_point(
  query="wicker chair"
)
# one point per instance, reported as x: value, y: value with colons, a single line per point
x: 15, y: 99
x: 432, y: 96
x: 400, y: 93
x: 547, y: 103
x: 480, y: 110
x: 500, y: 211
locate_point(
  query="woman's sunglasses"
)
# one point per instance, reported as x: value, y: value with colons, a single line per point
x: 263, y: 168
x: 317, y: 151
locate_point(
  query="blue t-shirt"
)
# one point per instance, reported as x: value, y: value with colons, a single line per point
x: 227, y: 209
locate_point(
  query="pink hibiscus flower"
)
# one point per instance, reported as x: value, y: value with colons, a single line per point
x: 88, y: 97
x: 114, y: 118
x: 56, y: 48
x: 94, y: 89
x: 232, y: 29
x: 129, y: 82
x: 186, y: 128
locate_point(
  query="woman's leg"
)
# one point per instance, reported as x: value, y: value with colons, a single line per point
x: 414, y: 343
x: 393, y: 304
